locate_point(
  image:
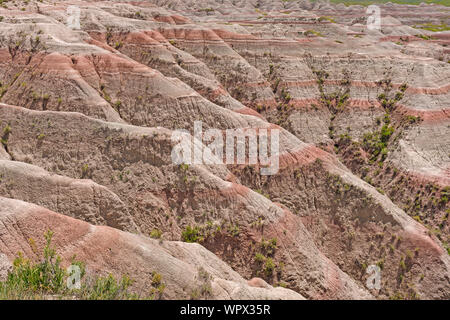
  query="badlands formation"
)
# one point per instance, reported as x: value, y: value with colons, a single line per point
x: 87, y: 114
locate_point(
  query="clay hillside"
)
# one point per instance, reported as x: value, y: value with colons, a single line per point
x: 91, y: 93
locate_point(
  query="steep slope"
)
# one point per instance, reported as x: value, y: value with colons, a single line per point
x: 108, y: 250
x: 101, y: 103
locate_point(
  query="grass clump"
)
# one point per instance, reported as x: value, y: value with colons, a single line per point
x: 376, y: 142
x: 28, y: 279
x: 269, y: 246
x: 326, y: 18
x: 47, y: 279
x: 269, y: 266
x: 192, y: 234
x: 156, y: 234
x: 108, y: 288
x: 311, y: 33
x: 259, y: 257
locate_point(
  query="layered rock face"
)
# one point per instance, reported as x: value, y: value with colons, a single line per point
x: 88, y: 113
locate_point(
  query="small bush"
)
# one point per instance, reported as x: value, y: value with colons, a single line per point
x: 108, y: 288
x: 260, y: 257
x: 269, y: 266
x: 156, y: 234
x: 192, y: 234
x: 46, y: 278
x: 28, y: 279
x: 157, y: 278
x: 84, y: 170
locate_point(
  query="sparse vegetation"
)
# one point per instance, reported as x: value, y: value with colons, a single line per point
x: 156, y: 234
x: 192, y: 234
x: 6, y: 132
x: 47, y: 278
x: 84, y: 170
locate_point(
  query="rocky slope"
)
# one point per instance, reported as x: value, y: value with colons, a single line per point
x: 86, y: 118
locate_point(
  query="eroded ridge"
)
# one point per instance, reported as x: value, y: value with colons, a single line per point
x: 88, y: 112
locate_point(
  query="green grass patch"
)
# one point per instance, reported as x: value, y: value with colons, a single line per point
x: 433, y: 27
x: 47, y: 279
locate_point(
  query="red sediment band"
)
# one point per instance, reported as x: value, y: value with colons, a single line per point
x: 427, y: 116
x: 113, y: 63
x: 442, y: 179
x: 268, y: 102
x: 303, y: 40
x: 155, y: 35
x: 262, y: 43
x: 180, y: 19
x: 148, y: 37
x: 419, y: 239
x: 368, y: 84
x: 250, y: 112
x: 21, y: 59
x: 442, y: 36
x: 222, y: 36
x: 41, y: 219
x: 431, y: 91
x: 235, y: 190
x: 141, y: 38
x: 100, y: 44
x: 299, y: 83
x: 259, y: 84
x: 56, y: 63
x: 99, y: 37
x: 228, y: 35
x: 213, y: 94
x: 304, y: 156
x: 304, y: 102
x: 354, y: 103
x: 4, y: 56
x: 166, y: 19
x: 363, y: 104
x: 190, y: 34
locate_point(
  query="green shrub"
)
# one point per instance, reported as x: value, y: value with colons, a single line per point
x: 84, y: 170
x: 156, y: 234
x: 402, y: 264
x: 157, y: 278
x: 108, y: 288
x: 269, y: 266
x: 259, y: 257
x: 7, y: 130
x: 46, y: 278
x: 234, y: 230
x: 269, y: 247
x: 192, y: 234
x: 31, y: 278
